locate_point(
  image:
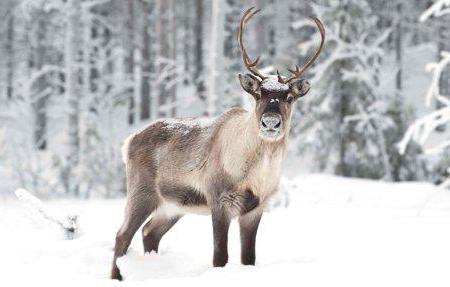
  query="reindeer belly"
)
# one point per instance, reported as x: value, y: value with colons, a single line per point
x: 173, y: 209
x: 179, y: 199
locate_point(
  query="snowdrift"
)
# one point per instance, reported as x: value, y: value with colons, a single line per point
x: 333, y: 232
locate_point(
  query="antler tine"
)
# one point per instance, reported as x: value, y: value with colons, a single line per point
x: 255, y: 62
x: 280, y: 79
x: 241, y: 28
x: 298, y: 72
x: 251, y: 14
x: 297, y: 69
x: 322, y: 36
x: 251, y: 65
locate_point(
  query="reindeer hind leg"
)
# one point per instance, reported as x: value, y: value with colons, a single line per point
x: 140, y: 204
x: 155, y: 229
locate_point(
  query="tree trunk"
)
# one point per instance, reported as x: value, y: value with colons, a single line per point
x: 129, y: 61
x: 165, y: 56
x: 187, y: 41
x: 341, y: 167
x: 147, y: 60
x: 38, y: 96
x: 214, y: 55
x: 173, y: 56
x: 73, y: 91
x: 398, y: 50
x: 198, y: 51
x: 397, y: 159
x: 10, y: 57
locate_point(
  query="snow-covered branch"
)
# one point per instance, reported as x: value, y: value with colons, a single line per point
x: 44, y: 71
x: 437, y: 69
x: 421, y: 129
x: 69, y: 224
x: 438, y: 9
x: 93, y: 3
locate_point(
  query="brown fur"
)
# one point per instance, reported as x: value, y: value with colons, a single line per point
x: 225, y: 169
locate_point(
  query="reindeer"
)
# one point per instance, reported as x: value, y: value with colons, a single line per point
x: 229, y: 167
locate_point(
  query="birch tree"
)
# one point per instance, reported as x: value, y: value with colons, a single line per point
x: 199, y: 67
x: 10, y: 39
x: 73, y: 92
x: 148, y: 58
x: 215, y: 57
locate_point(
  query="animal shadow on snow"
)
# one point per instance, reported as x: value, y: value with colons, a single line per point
x: 136, y: 266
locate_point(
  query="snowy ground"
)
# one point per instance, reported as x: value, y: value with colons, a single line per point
x: 335, y: 232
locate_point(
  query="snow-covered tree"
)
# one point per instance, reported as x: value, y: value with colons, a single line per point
x: 76, y: 77
x: 349, y: 116
x: 423, y: 128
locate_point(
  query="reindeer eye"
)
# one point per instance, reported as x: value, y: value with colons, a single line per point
x: 289, y: 99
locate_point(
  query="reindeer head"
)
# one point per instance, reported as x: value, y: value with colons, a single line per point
x: 274, y: 95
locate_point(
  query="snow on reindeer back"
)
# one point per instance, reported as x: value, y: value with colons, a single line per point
x: 186, y: 125
x: 271, y: 84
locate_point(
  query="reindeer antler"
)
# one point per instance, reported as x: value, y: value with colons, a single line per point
x: 298, y: 72
x: 251, y: 65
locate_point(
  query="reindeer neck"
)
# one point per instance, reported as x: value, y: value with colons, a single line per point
x: 242, y: 145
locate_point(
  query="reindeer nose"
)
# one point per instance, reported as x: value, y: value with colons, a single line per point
x: 271, y: 121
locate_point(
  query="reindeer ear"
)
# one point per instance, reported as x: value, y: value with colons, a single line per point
x: 300, y: 87
x: 250, y: 84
